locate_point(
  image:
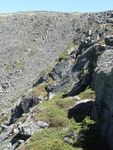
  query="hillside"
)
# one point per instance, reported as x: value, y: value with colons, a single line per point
x: 28, y: 43
x: 56, y: 81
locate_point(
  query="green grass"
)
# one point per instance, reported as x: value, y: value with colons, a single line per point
x: 49, y: 139
x: 53, y: 115
x: 65, y: 103
x: 87, y: 94
x: 54, y: 112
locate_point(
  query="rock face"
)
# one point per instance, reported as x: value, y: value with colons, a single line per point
x: 103, y: 85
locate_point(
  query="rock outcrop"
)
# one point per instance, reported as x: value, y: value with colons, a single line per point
x: 103, y: 86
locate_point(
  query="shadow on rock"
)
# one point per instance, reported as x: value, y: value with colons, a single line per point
x: 19, y: 139
x: 89, y: 137
x: 91, y: 140
x: 81, y: 110
x: 23, y: 107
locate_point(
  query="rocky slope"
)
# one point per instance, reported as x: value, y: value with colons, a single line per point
x: 31, y: 41
x: 28, y: 43
x: 65, y: 90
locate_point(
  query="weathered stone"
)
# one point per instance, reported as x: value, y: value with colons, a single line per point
x: 84, y: 67
x: 109, y: 40
x: 23, y: 107
x: 110, y: 20
x: 85, y: 43
x: 51, y: 95
x: 43, y: 124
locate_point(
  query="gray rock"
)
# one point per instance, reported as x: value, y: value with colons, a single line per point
x: 110, y: 20
x: 61, y: 74
x: 23, y: 107
x: 103, y: 86
x: 85, y: 43
x: 111, y: 14
x: 84, y: 68
x: 51, y: 95
x: 109, y: 40
x: 43, y: 124
x: 21, y: 142
x: 25, y: 131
